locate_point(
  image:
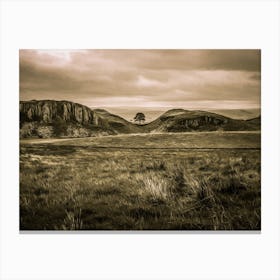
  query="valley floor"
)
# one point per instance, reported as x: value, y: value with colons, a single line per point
x: 181, y: 181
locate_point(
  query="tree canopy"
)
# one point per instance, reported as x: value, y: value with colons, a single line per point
x: 139, y: 117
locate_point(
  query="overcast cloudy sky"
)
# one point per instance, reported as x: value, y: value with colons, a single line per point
x: 190, y: 79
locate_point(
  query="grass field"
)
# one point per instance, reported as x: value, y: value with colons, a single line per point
x: 182, y: 181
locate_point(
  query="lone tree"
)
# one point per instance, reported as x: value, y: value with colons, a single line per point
x: 139, y: 117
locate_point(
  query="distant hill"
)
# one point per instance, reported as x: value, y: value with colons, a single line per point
x: 50, y: 118
x: 238, y: 114
x: 180, y: 120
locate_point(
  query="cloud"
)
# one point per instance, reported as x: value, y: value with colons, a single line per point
x: 143, y: 82
x: 167, y: 78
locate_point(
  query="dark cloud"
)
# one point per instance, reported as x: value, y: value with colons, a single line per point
x: 147, y: 77
x: 243, y: 60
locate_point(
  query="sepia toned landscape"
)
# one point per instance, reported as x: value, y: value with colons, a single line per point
x: 140, y: 140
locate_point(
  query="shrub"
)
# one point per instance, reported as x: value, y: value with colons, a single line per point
x: 59, y: 127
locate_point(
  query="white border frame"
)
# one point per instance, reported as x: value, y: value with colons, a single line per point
x: 140, y: 24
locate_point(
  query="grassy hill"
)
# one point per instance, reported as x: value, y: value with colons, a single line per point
x: 180, y: 120
x: 116, y: 123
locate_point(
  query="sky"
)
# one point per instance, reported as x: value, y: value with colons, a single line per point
x: 148, y: 79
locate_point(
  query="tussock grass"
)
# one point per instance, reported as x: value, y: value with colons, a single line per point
x: 154, y: 186
x: 72, y: 221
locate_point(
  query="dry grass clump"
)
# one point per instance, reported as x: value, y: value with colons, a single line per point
x: 72, y: 220
x: 152, y: 185
x: 205, y: 192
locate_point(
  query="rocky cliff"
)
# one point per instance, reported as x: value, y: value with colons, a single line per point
x: 50, y: 118
x: 49, y: 111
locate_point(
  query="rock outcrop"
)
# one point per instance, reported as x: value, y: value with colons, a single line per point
x: 204, y: 120
x: 50, y: 118
x: 50, y: 111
